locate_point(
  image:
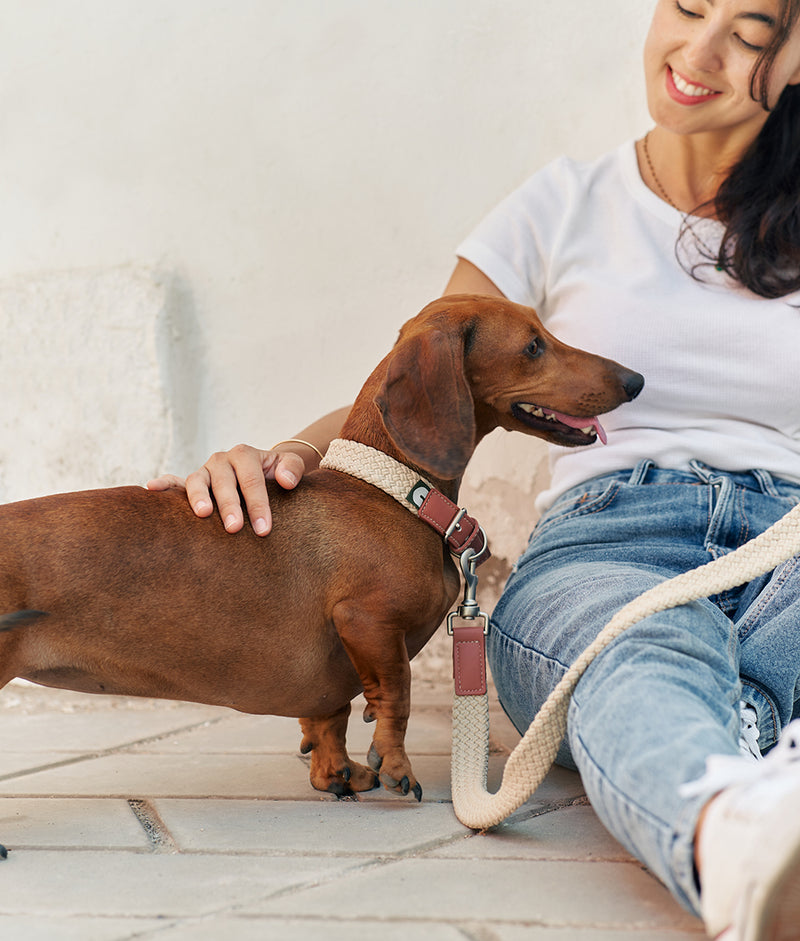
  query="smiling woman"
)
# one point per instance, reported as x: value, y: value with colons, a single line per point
x: 722, y: 85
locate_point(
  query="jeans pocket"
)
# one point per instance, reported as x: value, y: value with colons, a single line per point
x: 591, y: 497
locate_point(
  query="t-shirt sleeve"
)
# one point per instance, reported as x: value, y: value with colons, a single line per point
x: 513, y: 244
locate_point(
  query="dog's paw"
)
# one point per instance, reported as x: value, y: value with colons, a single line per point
x: 395, y: 772
x: 344, y: 781
x: 360, y: 778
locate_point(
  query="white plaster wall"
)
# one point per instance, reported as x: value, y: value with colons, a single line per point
x: 297, y: 171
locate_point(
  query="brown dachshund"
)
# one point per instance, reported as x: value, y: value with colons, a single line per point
x: 125, y: 591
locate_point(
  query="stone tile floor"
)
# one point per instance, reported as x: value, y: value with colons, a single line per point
x: 150, y: 820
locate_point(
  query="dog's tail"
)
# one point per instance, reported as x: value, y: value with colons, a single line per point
x: 9, y: 622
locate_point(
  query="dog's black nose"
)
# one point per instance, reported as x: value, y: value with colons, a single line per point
x: 633, y: 383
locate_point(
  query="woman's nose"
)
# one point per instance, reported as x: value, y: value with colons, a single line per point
x: 703, y: 51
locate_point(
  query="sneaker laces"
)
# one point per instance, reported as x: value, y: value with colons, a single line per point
x: 723, y: 771
x: 748, y: 731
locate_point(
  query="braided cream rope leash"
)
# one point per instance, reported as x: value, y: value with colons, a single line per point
x: 530, y: 761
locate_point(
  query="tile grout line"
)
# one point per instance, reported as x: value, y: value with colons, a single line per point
x: 380, y: 862
x: 106, y: 752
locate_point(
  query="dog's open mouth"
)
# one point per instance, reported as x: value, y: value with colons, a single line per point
x: 579, y: 430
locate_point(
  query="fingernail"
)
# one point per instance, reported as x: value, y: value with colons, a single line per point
x: 260, y: 527
x: 202, y: 505
x: 290, y: 478
x: 230, y: 521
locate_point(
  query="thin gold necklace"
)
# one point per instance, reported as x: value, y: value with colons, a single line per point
x: 656, y: 180
x: 686, y: 224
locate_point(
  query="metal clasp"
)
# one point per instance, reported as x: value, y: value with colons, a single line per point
x: 468, y: 609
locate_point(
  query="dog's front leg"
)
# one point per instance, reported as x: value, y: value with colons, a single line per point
x: 332, y: 769
x: 377, y: 648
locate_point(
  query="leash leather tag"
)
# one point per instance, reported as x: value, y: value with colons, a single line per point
x: 469, y: 656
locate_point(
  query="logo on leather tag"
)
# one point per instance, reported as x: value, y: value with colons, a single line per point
x: 418, y: 492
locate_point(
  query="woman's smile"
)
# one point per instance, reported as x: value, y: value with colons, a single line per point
x: 683, y: 91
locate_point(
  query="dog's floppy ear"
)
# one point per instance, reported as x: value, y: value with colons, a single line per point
x: 426, y: 403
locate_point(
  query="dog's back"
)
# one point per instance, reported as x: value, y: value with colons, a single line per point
x: 130, y: 593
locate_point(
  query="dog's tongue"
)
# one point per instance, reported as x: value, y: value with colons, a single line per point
x: 579, y: 423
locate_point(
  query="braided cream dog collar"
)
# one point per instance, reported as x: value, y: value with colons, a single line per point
x: 415, y: 493
x: 376, y: 468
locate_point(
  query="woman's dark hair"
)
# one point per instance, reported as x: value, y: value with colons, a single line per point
x: 759, y: 201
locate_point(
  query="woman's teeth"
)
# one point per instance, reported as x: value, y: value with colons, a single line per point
x: 686, y: 88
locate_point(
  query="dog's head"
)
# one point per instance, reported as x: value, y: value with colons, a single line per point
x: 470, y: 363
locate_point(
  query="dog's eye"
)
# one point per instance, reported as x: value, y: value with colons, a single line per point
x: 534, y: 348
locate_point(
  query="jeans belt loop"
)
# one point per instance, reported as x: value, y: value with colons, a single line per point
x: 702, y: 471
x: 766, y: 482
x: 640, y: 472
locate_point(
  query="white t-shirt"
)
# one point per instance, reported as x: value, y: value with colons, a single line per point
x: 593, y: 250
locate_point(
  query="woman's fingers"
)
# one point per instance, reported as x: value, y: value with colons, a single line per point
x: 229, y: 478
x: 287, y: 470
x: 198, y: 492
x: 166, y: 482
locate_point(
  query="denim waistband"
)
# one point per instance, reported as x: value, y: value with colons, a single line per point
x: 761, y: 481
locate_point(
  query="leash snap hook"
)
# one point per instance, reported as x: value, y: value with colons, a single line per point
x: 469, y: 609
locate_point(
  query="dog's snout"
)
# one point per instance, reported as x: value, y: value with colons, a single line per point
x: 632, y: 383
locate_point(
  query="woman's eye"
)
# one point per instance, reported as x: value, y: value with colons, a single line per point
x: 750, y: 46
x: 693, y: 15
x: 684, y: 12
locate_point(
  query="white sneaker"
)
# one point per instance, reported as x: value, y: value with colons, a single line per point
x: 748, y: 731
x: 749, y: 845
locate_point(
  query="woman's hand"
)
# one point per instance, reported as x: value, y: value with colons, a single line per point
x: 247, y: 470
x: 225, y: 473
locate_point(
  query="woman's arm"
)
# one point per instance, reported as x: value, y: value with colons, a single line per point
x: 467, y: 279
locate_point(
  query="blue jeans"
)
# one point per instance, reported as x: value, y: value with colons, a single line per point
x: 664, y: 696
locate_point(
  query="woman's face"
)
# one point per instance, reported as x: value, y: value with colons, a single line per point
x: 699, y: 59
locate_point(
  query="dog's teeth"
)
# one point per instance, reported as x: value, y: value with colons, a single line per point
x: 532, y: 410
x: 588, y: 430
